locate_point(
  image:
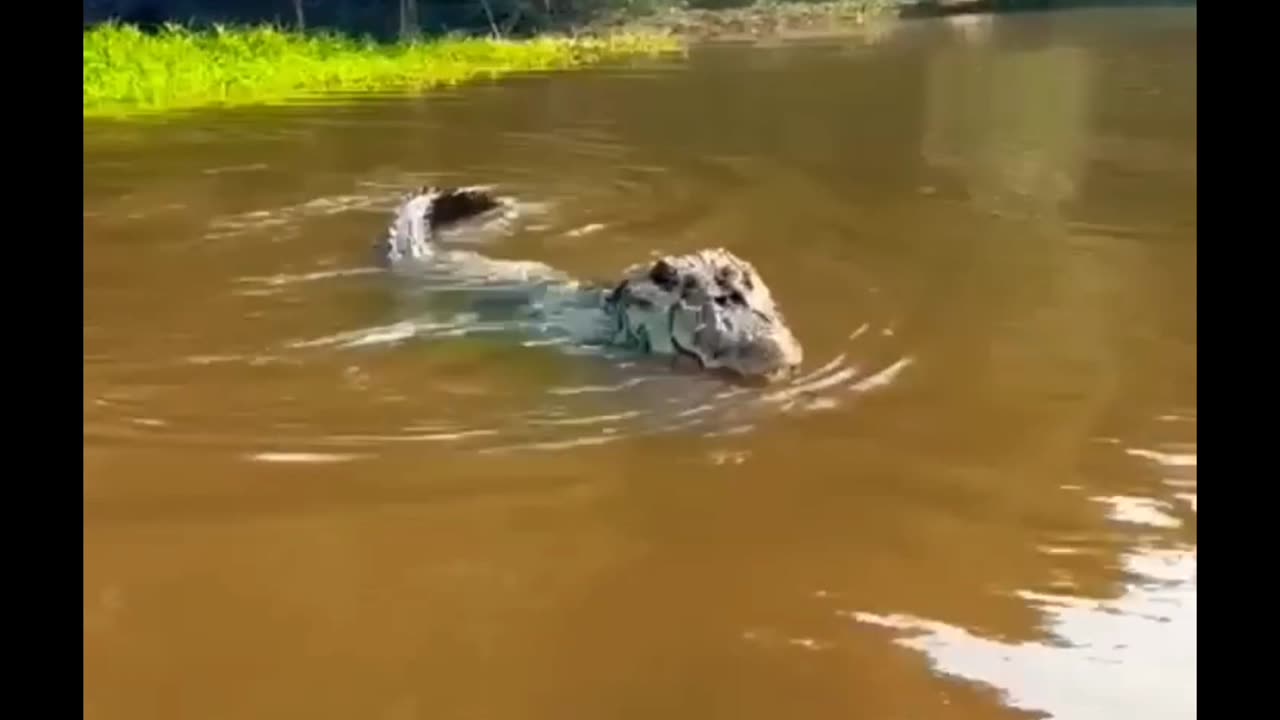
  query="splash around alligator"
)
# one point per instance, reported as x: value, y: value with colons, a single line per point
x: 709, y: 306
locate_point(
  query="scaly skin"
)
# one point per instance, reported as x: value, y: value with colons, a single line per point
x: 711, y: 305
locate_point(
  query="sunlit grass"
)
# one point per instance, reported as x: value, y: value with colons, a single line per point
x: 127, y: 71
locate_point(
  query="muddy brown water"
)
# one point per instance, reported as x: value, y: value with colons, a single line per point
x: 311, y: 492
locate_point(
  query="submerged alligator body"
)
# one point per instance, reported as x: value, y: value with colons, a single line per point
x: 710, y: 306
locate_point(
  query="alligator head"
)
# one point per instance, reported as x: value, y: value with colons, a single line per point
x: 711, y: 306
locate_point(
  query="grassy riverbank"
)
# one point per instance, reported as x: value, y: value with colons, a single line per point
x: 129, y: 72
x: 126, y: 71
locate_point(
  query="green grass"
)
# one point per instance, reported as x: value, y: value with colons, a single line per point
x: 127, y: 72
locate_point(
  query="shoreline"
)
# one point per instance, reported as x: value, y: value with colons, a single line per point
x: 128, y: 73
x: 760, y: 20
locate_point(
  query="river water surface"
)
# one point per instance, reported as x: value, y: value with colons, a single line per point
x: 310, y: 492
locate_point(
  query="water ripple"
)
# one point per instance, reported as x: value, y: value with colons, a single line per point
x: 256, y: 220
x: 619, y: 396
x: 302, y: 457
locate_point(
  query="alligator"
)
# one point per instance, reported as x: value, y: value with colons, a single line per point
x: 709, y: 306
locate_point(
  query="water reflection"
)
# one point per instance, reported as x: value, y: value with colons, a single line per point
x: 1014, y: 126
x: 1011, y: 122
x: 1132, y: 656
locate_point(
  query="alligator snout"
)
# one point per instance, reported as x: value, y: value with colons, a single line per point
x: 770, y: 356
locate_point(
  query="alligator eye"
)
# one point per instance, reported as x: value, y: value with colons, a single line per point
x: 722, y: 300
x: 691, y: 285
x: 664, y: 275
x: 736, y: 298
